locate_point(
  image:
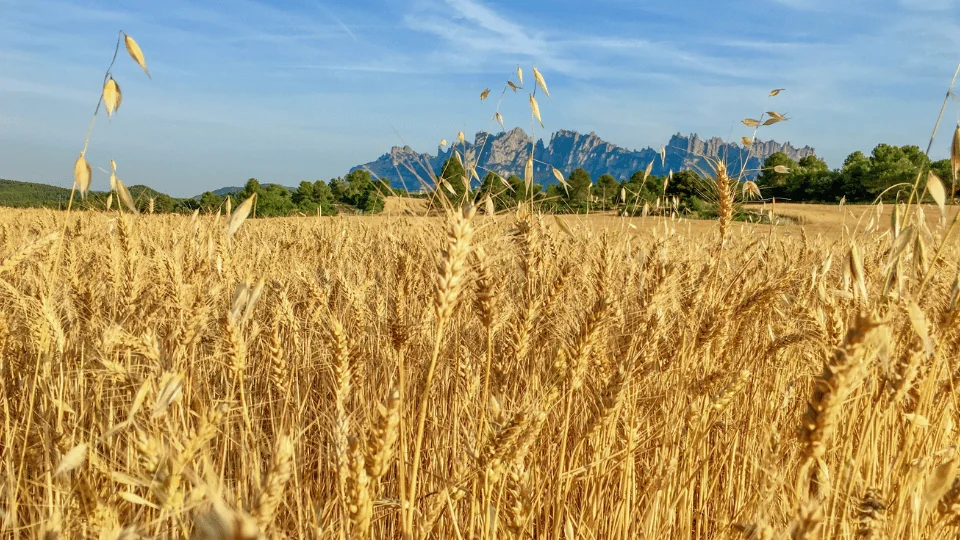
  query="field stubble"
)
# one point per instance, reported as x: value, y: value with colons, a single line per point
x: 599, y: 378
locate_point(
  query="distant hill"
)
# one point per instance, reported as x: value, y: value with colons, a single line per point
x: 18, y: 194
x: 30, y: 195
x: 224, y: 191
x: 230, y: 190
x: 506, y: 153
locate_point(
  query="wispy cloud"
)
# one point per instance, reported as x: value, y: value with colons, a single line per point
x: 472, y: 27
x: 804, y: 5
x: 930, y: 5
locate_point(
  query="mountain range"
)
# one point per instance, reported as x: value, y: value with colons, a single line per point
x: 506, y: 153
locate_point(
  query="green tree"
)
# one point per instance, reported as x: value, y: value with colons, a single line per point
x: 274, y: 200
x: 685, y: 185
x: 811, y: 181
x: 579, y: 186
x: 503, y: 197
x: 519, y: 186
x: 371, y: 202
x: 894, y: 165
x: 888, y: 171
x: 210, y: 202
x: 772, y: 184
x: 854, y: 177
x: 812, y: 163
x: 452, y: 173
x: 555, y: 199
x: 356, y: 184
x: 313, y: 196
x: 164, y: 203
x: 356, y: 189
x: 641, y: 189
x: 252, y: 186
x: 607, y: 190
x: 382, y: 185
x: 338, y: 188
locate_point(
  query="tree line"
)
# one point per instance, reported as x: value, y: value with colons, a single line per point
x: 863, y: 178
x: 885, y: 174
x: 357, y: 192
x: 882, y: 175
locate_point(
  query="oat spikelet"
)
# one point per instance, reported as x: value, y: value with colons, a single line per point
x: 81, y: 175
x: 126, y: 198
x: 935, y: 189
x: 535, y: 108
x: 240, y: 215
x: 111, y: 96
x: 540, y: 81
x: 149, y: 451
x: 73, y: 459
x: 939, y: 482
x: 134, y: 50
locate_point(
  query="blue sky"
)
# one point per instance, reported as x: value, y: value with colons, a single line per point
x: 290, y: 91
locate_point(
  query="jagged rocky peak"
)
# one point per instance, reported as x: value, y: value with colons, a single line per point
x: 404, y: 151
x: 506, y: 153
x: 503, y: 151
x: 715, y: 146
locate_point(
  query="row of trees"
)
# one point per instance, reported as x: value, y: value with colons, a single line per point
x: 581, y: 194
x: 862, y: 179
x: 356, y: 191
x: 885, y: 173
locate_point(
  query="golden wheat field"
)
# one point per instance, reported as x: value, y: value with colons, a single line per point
x: 477, y: 377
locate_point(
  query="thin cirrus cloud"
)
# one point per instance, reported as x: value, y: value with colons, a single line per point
x: 288, y: 92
